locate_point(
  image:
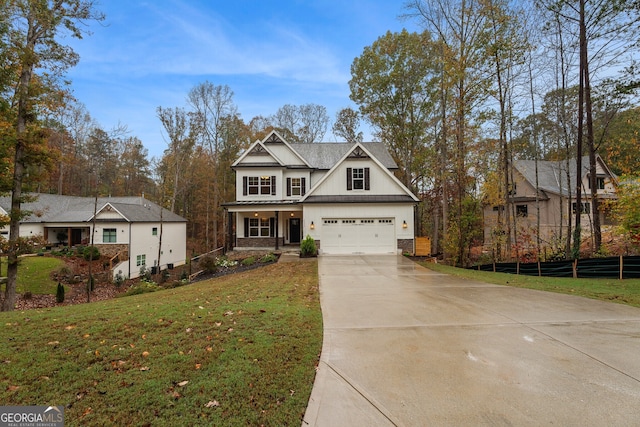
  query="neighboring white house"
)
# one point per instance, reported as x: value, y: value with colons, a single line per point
x: 127, y: 229
x: 343, y: 195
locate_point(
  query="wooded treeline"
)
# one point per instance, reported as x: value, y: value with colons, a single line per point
x: 487, y: 82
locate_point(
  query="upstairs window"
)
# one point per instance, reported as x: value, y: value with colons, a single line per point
x: 522, y: 211
x: 600, y: 183
x: 109, y: 235
x: 296, y: 186
x: 262, y: 185
x: 358, y: 179
x: 154, y: 231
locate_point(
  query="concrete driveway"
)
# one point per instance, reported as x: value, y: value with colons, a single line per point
x: 405, y: 346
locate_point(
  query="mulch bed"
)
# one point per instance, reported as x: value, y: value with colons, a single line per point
x: 77, y: 292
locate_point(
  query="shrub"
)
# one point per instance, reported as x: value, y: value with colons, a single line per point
x: 308, y: 247
x: 142, y: 288
x: 145, y: 273
x: 208, y: 264
x: 268, y: 258
x: 249, y: 261
x: 60, y: 293
x: 90, y: 253
x: 224, y: 262
x: 184, y: 276
x: 119, y: 279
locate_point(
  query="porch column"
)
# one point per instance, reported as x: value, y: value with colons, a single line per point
x: 277, y: 229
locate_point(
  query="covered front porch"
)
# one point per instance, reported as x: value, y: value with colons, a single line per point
x: 272, y: 226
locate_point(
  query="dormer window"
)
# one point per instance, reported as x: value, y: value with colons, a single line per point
x: 358, y: 179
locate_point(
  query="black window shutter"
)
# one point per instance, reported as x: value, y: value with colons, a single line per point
x: 288, y: 186
x: 303, y: 183
x: 246, y: 227
x: 349, y: 180
x: 245, y: 185
x: 367, y: 183
x: 272, y: 226
x: 273, y: 185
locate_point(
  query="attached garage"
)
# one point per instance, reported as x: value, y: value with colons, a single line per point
x: 358, y: 236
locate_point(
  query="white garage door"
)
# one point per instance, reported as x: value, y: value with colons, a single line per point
x: 358, y: 236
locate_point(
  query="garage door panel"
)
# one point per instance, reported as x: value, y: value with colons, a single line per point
x: 346, y: 236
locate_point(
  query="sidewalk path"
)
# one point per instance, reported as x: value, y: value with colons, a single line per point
x: 405, y: 346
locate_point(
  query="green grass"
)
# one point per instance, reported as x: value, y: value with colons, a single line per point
x: 621, y: 291
x: 237, y: 350
x: 34, y: 274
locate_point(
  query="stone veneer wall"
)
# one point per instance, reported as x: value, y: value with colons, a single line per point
x: 113, y: 249
x: 406, y: 245
x: 261, y: 242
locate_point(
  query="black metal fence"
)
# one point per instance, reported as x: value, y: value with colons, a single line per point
x: 622, y: 267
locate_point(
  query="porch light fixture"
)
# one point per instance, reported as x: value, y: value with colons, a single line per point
x: 404, y: 224
x: 291, y: 214
x: 255, y: 214
x: 312, y: 226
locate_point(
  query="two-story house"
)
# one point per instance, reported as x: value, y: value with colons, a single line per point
x: 343, y: 195
x: 553, y: 197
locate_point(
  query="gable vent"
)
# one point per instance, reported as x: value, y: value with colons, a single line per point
x: 358, y: 153
x: 258, y: 150
x: 274, y: 139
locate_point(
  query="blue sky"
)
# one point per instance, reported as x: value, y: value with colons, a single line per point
x: 270, y: 53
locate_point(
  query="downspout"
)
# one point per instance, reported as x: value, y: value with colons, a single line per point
x: 129, y: 255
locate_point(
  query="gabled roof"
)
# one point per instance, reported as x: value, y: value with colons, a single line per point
x: 325, y: 155
x: 358, y: 150
x: 260, y: 148
x: 55, y: 208
x: 552, y: 175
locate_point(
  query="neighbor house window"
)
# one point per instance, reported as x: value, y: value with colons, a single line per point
x: 259, y: 227
x: 586, y: 208
x: 141, y: 260
x: 258, y: 185
x: 154, y: 231
x: 109, y: 235
x: 600, y: 183
x: 358, y: 179
x: 522, y: 211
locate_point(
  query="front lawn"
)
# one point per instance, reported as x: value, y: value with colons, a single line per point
x: 34, y: 274
x: 237, y: 350
x: 621, y: 291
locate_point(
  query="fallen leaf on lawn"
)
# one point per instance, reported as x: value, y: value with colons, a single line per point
x: 183, y: 383
x: 144, y: 368
x: 230, y: 330
x: 53, y: 343
x: 218, y: 323
x: 86, y: 336
x: 212, y: 404
x: 198, y: 365
x: 144, y: 336
x: 145, y: 354
x: 13, y: 387
x: 201, y: 307
x: 97, y: 353
x: 228, y: 313
x: 70, y: 327
x: 132, y: 345
x: 209, y: 349
x: 291, y: 392
x: 189, y: 330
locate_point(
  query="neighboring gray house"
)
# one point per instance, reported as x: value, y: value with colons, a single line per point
x: 126, y: 228
x: 343, y: 195
x: 554, y: 197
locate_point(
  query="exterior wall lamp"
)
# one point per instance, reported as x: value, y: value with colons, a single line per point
x: 312, y: 226
x: 404, y: 224
x: 255, y: 214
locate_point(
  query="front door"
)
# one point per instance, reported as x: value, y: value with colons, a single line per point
x: 294, y: 230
